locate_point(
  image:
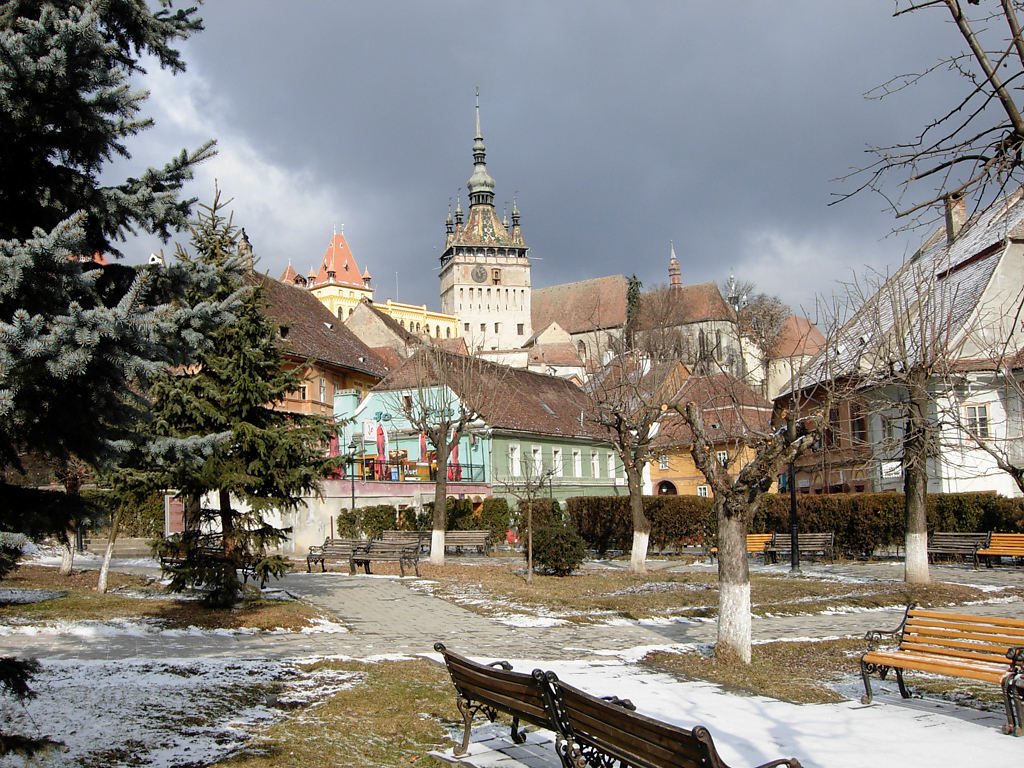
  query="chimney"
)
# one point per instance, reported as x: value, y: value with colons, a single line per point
x: 956, y: 215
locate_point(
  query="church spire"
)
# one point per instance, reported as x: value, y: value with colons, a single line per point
x: 480, y: 184
x: 674, y: 273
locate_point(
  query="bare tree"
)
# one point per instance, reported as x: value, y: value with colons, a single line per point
x: 525, y: 484
x: 719, y: 409
x: 889, y: 356
x: 974, y: 147
x: 443, y: 395
x: 760, y: 323
x: 627, y: 397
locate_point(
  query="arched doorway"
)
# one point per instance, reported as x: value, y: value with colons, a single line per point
x: 665, y: 488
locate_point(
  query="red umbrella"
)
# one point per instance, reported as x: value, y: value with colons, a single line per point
x: 423, y: 448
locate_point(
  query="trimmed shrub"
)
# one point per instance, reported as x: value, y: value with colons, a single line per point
x: 460, y: 516
x: 347, y: 524
x: 557, y: 548
x: 495, y: 516
x: 863, y: 523
x: 377, y: 519
x: 409, y: 519
x: 543, y: 511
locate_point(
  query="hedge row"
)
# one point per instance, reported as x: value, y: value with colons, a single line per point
x: 862, y: 522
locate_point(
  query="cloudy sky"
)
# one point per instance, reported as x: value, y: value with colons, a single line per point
x: 619, y: 126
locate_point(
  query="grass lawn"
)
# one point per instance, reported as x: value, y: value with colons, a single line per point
x: 137, y: 597
x: 593, y: 595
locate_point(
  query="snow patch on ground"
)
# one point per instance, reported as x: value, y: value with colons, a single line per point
x: 183, y: 712
x: 91, y: 630
x: 26, y: 596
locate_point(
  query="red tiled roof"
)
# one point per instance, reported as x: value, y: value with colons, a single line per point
x: 730, y: 408
x: 798, y: 336
x: 554, y: 354
x: 671, y: 307
x: 583, y: 306
x: 313, y: 332
x: 509, y: 399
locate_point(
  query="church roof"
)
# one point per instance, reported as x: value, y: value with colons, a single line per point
x: 312, y: 331
x: 338, y: 259
x: 583, y: 306
x: 682, y: 305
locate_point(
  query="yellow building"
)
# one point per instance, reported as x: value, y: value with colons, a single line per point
x: 732, y: 414
x: 339, y: 286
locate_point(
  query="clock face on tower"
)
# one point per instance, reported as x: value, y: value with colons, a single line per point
x: 479, y: 273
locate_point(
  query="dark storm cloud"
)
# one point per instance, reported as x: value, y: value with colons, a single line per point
x: 621, y: 125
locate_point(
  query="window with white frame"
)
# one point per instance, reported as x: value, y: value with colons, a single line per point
x: 513, y: 460
x: 323, y: 390
x: 703, y: 491
x: 538, y: 461
x: 723, y: 458
x: 577, y: 463
x: 663, y: 462
x: 556, y: 462
x: 595, y: 464
x: 611, y: 465
x: 977, y: 420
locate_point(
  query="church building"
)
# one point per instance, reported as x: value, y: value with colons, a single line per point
x: 485, y: 272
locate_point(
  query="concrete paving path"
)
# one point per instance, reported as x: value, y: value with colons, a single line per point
x: 383, y: 615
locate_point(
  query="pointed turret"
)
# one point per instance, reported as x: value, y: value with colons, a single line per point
x: 674, y: 274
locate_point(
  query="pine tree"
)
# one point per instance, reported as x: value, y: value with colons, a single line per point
x: 79, y: 341
x: 263, y: 459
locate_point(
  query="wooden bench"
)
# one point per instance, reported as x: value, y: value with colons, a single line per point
x: 332, y: 549
x: 419, y: 538
x: 1001, y: 545
x: 756, y: 543
x: 493, y: 688
x: 460, y: 539
x: 385, y: 552
x: 985, y: 648
x: 810, y: 544
x: 598, y: 732
x: 956, y: 545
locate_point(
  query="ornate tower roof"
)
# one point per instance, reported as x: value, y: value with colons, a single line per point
x: 482, y: 226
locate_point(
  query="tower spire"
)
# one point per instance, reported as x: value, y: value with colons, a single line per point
x: 480, y: 184
x: 674, y: 273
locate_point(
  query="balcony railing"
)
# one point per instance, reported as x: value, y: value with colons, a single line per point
x: 405, y: 471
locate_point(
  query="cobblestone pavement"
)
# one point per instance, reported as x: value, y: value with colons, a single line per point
x: 384, y: 616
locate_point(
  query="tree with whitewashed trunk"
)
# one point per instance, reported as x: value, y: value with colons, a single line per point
x: 737, y: 491
x: 627, y: 396
x: 442, y: 395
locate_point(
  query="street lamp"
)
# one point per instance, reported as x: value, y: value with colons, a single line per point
x: 352, y: 472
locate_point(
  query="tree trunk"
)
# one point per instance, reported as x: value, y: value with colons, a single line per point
x: 915, y: 483
x: 67, y: 553
x: 733, y: 584
x: 440, y: 503
x: 228, y: 536
x: 101, y: 583
x: 529, y: 541
x: 641, y: 525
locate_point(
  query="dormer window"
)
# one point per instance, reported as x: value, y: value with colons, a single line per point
x: 283, y: 331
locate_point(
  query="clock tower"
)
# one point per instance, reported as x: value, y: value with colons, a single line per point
x: 485, y: 272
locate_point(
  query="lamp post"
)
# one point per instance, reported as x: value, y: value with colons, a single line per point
x: 352, y: 472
